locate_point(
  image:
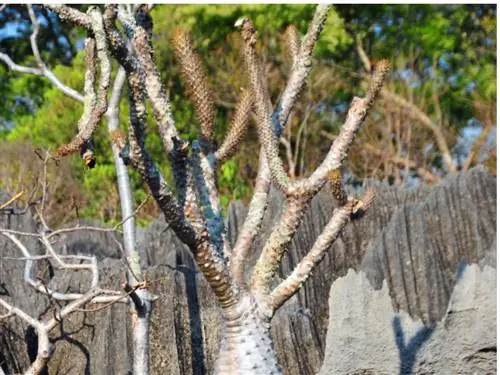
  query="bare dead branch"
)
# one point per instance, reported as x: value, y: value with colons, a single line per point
x: 417, y: 114
x: 362, y: 54
x: 414, y: 112
x: 43, y: 68
x: 12, y: 200
x: 11, y: 311
x: 39, y: 286
x: 477, y: 146
x: 403, y: 162
x: 19, y: 68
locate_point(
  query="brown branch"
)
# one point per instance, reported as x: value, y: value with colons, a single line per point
x: 292, y: 44
x: 415, y: 113
x: 238, y: 127
x: 476, y: 147
x: 403, y: 162
x: 11, y: 200
x: 196, y: 83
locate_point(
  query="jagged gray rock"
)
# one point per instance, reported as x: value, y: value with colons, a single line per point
x: 450, y: 223
x: 366, y: 336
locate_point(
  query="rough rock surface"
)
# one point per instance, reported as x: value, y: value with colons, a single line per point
x: 368, y: 337
x: 453, y: 223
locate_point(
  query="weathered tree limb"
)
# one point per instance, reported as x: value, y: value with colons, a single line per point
x: 88, y: 123
x: 267, y: 136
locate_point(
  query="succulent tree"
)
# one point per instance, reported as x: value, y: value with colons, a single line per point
x: 192, y: 207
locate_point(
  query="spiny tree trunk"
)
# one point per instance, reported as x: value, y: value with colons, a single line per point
x: 246, y: 346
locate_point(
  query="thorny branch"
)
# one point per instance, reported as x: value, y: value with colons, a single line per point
x: 194, y: 165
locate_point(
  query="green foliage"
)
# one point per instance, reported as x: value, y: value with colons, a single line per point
x: 448, y: 49
x: 232, y: 185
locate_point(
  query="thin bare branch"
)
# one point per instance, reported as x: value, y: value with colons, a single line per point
x: 477, y: 146
x: 11, y: 310
x: 417, y: 114
x: 19, y: 68
x: 42, y: 70
x: 414, y: 112
x: 362, y: 54
x: 403, y: 162
x: 12, y: 200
